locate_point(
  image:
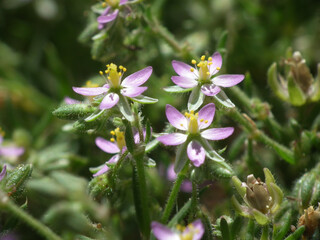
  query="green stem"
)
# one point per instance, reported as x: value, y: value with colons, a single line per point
x: 173, y: 195
x: 143, y: 195
x: 257, y: 134
x: 265, y: 233
x: 194, y: 200
x: 7, y: 204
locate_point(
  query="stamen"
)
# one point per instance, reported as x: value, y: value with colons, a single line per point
x: 106, y: 71
x: 210, y: 63
x: 193, y: 61
x: 124, y: 69
x: 112, y: 140
x: 191, y: 69
x: 206, y: 121
x: 119, y: 73
x: 181, y: 124
x: 104, y: 4
x: 218, y: 68
x: 101, y: 73
x: 203, y: 57
x: 120, y: 67
x: 201, y: 120
x: 192, y: 111
x: 112, y: 133
x: 210, y: 59
x: 208, y: 73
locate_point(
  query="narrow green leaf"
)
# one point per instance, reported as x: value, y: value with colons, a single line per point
x: 94, y: 116
x: 144, y: 100
x: 297, y: 234
x: 282, y: 227
x: 180, y: 214
x: 223, y: 99
x: 296, y: 95
x: 195, y: 99
x: 224, y: 227
x: 274, y: 83
x: 177, y: 89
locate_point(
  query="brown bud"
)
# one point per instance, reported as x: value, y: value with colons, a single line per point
x: 311, y: 220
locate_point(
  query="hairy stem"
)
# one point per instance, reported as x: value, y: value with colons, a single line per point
x: 173, y: 194
x: 7, y: 204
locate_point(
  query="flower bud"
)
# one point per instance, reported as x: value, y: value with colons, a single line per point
x: 298, y: 85
x: 311, y: 220
x: 262, y: 199
x: 73, y: 111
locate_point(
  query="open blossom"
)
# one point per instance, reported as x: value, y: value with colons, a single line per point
x: 194, y: 124
x: 114, y: 87
x: 116, y: 145
x: 202, y: 74
x: 194, y: 231
x: 9, y: 151
x: 110, y: 12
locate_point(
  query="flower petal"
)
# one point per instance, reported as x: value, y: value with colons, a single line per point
x: 109, y: 101
x: 210, y: 89
x: 217, y: 133
x: 114, y: 159
x: 184, y: 82
x: 228, y: 80
x: 206, y: 115
x: 216, y: 63
x: 196, y: 228
x: 70, y: 101
x: 161, y: 232
x: 176, y: 118
x: 105, y: 11
x: 171, y: 175
x: 11, y: 151
x: 196, y: 153
x: 173, y: 139
x: 3, y: 172
x: 138, y: 78
x: 103, y: 170
x: 90, y: 91
x: 107, y: 146
x: 108, y: 18
x: 183, y: 69
x: 133, y: 91
x: 123, y: 2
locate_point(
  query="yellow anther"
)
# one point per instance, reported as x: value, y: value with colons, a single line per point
x: 210, y: 59
x: 124, y: 69
x: 186, y: 114
x: 201, y: 120
x: 208, y: 73
x: 106, y: 71
x: 191, y: 69
x: 109, y: 78
x: 192, y: 111
x: 119, y: 73
x: 112, y: 133
x: 197, y: 114
x: 199, y: 65
x: 117, y: 129
x: 120, y: 67
x: 101, y: 73
x: 104, y: 4
x: 203, y: 57
x: 206, y: 121
x: 108, y: 65
x: 112, y: 140
x: 218, y: 68
x: 193, y: 61
x: 181, y: 124
x: 210, y: 63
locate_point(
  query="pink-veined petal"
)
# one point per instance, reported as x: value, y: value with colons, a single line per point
x: 217, y: 133
x: 3, y: 172
x: 103, y: 170
x: 184, y: 82
x: 114, y: 159
x: 11, y: 151
x: 206, y: 115
x: 216, y: 63
x: 107, y: 146
x: 161, y: 232
x: 138, y: 78
x: 176, y: 118
x: 196, y: 228
x: 90, y: 91
x: 173, y: 139
x: 183, y: 69
x: 228, y: 80
x: 122, y: 2
x: 210, y: 89
x: 105, y: 11
x: 196, y: 153
x: 109, y: 101
x: 108, y: 18
x: 133, y: 91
